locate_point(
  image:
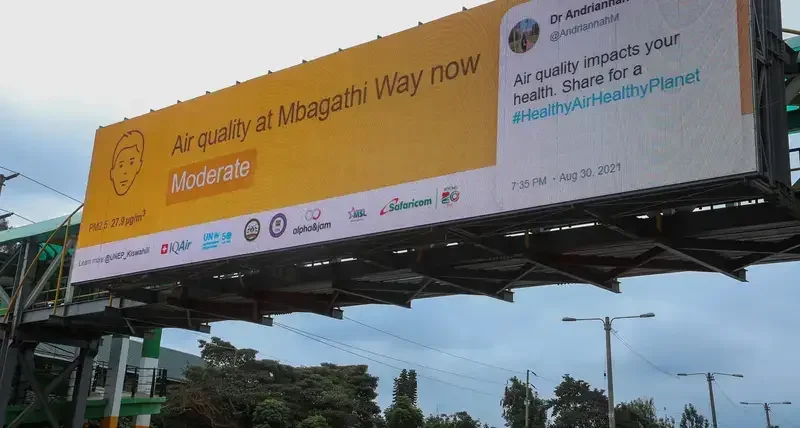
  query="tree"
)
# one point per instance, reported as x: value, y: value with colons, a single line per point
x: 464, y: 420
x: 399, y: 385
x: 692, y: 419
x: 456, y: 420
x: 412, y: 385
x: 272, y: 413
x: 641, y: 413
x: 4, y: 226
x: 219, y: 353
x: 403, y: 413
x: 513, y: 404
x: 234, y: 389
x: 438, y: 421
x: 405, y: 385
x: 316, y: 421
x: 578, y: 405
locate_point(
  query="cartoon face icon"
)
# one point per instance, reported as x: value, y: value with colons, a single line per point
x: 127, y: 162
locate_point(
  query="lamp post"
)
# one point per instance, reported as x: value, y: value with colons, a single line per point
x: 766, y: 408
x: 607, y: 326
x: 710, y: 379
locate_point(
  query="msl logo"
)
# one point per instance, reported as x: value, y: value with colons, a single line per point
x: 398, y: 205
x: 356, y: 214
x: 176, y: 247
x: 450, y: 195
x: 213, y: 240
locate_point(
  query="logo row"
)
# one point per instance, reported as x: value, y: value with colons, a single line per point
x: 314, y: 223
x: 311, y: 222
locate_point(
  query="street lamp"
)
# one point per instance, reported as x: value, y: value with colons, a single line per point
x: 766, y: 408
x: 607, y: 326
x: 710, y: 379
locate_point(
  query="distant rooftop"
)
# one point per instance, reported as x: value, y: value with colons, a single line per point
x: 40, y: 231
x: 173, y: 360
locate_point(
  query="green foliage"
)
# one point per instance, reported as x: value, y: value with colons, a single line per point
x: 403, y: 413
x: 692, y: 419
x: 641, y: 413
x: 405, y: 385
x: 219, y: 353
x: 272, y: 413
x: 513, y: 404
x: 577, y: 405
x: 315, y: 421
x: 456, y: 420
x: 235, y: 390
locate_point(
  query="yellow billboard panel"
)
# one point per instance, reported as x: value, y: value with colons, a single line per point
x: 506, y: 107
x: 406, y: 107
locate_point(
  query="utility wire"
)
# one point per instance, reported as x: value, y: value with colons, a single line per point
x: 393, y: 358
x: 41, y: 184
x: 13, y: 213
x: 516, y: 372
x: 782, y: 421
x: 635, y: 352
x: 381, y: 362
x: 728, y: 398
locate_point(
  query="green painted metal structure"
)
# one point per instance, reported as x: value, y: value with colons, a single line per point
x: 94, y: 409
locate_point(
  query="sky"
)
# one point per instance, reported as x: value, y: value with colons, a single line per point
x: 86, y: 64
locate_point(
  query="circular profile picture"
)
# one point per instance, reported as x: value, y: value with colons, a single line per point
x: 523, y: 36
x: 252, y: 229
x: 277, y: 225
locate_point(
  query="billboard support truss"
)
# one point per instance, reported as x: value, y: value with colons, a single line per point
x: 772, y: 57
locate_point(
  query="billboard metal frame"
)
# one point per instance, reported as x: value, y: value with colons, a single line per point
x: 719, y: 226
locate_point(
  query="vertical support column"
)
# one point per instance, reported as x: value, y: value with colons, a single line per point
x: 117, y: 364
x: 27, y: 263
x: 151, y: 350
x: 10, y: 352
x: 83, y: 379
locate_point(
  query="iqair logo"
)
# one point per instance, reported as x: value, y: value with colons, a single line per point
x: 397, y: 205
x: 176, y: 247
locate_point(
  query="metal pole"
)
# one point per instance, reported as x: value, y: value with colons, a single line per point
x: 710, y: 379
x: 4, y: 178
x: 607, y: 327
x: 527, y: 396
x: 766, y: 410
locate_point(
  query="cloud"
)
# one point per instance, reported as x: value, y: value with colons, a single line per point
x: 88, y: 64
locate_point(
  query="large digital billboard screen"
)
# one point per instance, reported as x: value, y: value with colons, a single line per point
x: 509, y: 106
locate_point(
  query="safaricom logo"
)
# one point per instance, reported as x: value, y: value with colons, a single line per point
x: 397, y: 205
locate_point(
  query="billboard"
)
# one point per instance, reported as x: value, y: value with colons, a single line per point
x: 509, y: 106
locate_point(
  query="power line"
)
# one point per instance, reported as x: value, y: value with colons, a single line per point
x: 381, y: 362
x: 41, y: 184
x: 516, y: 372
x: 395, y: 359
x: 13, y: 213
x: 728, y: 398
x: 206, y: 336
x: 782, y: 421
x: 635, y: 352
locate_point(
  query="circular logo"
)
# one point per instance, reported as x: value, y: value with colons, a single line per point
x: 313, y: 214
x: 523, y: 36
x: 455, y: 196
x: 252, y: 229
x: 277, y: 225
